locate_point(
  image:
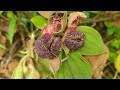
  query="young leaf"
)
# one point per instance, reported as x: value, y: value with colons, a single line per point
x: 93, y: 43
x: 75, y: 67
x: 12, y: 28
x: 39, y: 21
x: 2, y: 46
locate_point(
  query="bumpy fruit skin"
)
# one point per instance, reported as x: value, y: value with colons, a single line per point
x: 74, y: 39
x: 47, y: 46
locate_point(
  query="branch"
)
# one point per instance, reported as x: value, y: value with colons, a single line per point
x: 94, y: 20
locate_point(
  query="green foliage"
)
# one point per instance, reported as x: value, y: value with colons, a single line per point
x: 111, y: 29
x: 75, y: 67
x: 2, y: 46
x: 39, y: 21
x: 10, y: 14
x: 42, y: 66
x: 1, y: 12
x: 93, y: 43
x: 12, y: 28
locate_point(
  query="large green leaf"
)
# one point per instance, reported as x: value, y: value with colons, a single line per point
x: 93, y: 43
x: 43, y: 68
x: 39, y: 21
x: 75, y: 67
x: 12, y: 28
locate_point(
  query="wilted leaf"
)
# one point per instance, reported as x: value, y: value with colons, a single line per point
x: 74, y: 15
x: 12, y: 28
x: 117, y: 63
x: 18, y: 72
x: 39, y: 21
x: 46, y: 14
x: 98, y: 62
x: 30, y: 73
x: 93, y: 43
x: 54, y: 65
x: 75, y: 67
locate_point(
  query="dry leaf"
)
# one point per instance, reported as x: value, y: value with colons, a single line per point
x: 49, y: 15
x: 2, y: 41
x: 46, y: 14
x: 98, y: 63
x: 4, y: 73
x: 54, y: 65
x: 116, y: 22
x: 74, y: 16
x: 12, y: 65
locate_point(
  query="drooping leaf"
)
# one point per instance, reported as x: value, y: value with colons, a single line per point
x: 11, y: 31
x: 30, y: 73
x: 93, y: 43
x: 18, y: 72
x: 39, y: 21
x: 75, y: 67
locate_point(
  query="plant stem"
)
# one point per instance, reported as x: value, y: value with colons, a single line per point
x: 115, y: 76
x: 94, y: 20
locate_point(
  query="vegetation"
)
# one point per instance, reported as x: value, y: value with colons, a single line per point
x: 25, y: 55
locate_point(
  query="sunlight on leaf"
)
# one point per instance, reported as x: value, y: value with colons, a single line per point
x: 117, y: 63
x: 75, y: 67
x: 39, y: 21
x: 12, y: 28
x: 93, y: 43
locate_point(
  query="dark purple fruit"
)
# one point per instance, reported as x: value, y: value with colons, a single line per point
x: 56, y: 46
x: 47, y: 46
x: 74, y: 39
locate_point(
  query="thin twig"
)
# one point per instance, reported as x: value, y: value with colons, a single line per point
x: 94, y: 20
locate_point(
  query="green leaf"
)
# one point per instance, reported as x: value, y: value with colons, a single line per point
x: 95, y: 12
x: 10, y: 14
x: 30, y: 73
x: 2, y: 46
x: 39, y: 21
x: 1, y: 12
x: 75, y: 67
x: 12, y: 28
x: 18, y: 72
x: 93, y: 43
x: 66, y: 50
x: 43, y: 68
